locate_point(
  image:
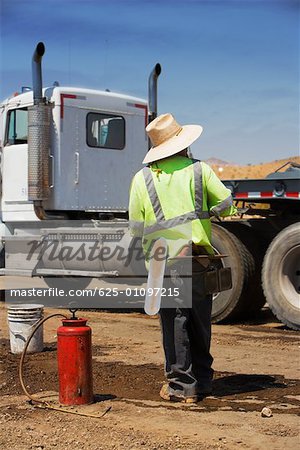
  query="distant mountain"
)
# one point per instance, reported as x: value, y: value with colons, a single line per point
x: 218, y: 162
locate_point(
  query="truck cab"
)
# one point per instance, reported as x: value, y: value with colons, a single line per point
x: 67, y: 159
x: 97, y: 143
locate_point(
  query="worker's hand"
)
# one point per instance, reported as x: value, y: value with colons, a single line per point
x: 185, y: 251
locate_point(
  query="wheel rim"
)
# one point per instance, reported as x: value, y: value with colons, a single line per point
x: 289, y: 273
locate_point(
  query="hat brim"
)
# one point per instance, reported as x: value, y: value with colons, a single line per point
x: 175, y: 144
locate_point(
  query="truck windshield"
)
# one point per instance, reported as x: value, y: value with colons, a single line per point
x: 17, y: 127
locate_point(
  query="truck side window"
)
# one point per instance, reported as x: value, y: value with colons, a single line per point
x: 16, y: 130
x: 105, y: 131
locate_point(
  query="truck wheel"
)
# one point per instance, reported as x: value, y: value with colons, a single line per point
x: 256, y: 246
x: 281, y: 276
x: 231, y: 305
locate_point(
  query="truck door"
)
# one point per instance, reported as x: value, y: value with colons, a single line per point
x: 15, y: 162
x: 106, y: 164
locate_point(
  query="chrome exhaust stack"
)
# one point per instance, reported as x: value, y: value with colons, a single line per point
x: 37, y: 82
x: 152, y: 92
x: 39, y: 116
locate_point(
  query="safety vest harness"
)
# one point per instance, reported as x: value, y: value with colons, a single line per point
x: 161, y: 221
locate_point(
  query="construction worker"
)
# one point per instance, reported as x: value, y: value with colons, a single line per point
x: 173, y: 197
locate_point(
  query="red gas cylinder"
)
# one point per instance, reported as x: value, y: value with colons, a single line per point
x: 74, y: 355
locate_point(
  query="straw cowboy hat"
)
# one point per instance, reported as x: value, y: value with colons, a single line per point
x: 168, y: 137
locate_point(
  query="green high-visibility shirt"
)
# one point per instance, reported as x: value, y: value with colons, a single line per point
x: 174, y: 198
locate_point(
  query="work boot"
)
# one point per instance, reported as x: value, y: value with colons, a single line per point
x: 166, y: 395
x: 203, y: 392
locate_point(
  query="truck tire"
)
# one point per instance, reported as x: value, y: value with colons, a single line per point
x: 231, y: 305
x: 256, y: 246
x: 281, y: 276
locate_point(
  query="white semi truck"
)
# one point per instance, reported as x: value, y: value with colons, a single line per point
x: 67, y: 158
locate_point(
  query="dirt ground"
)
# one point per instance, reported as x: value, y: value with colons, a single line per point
x: 256, y: 365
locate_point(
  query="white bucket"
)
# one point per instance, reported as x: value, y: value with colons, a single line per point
x: 21, y: 321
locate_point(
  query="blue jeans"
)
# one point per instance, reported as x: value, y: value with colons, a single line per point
x: 186, y: 334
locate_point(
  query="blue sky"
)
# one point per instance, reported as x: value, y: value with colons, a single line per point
x: 232, y: 66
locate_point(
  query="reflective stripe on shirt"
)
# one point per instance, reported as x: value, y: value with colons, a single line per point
x: 153, y: 194
x: 221, y: 207
x: 161, y: 222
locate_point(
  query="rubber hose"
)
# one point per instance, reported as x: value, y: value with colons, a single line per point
x: 21, y: 365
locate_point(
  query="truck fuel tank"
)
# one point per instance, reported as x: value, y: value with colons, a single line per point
x: 106, y: 248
